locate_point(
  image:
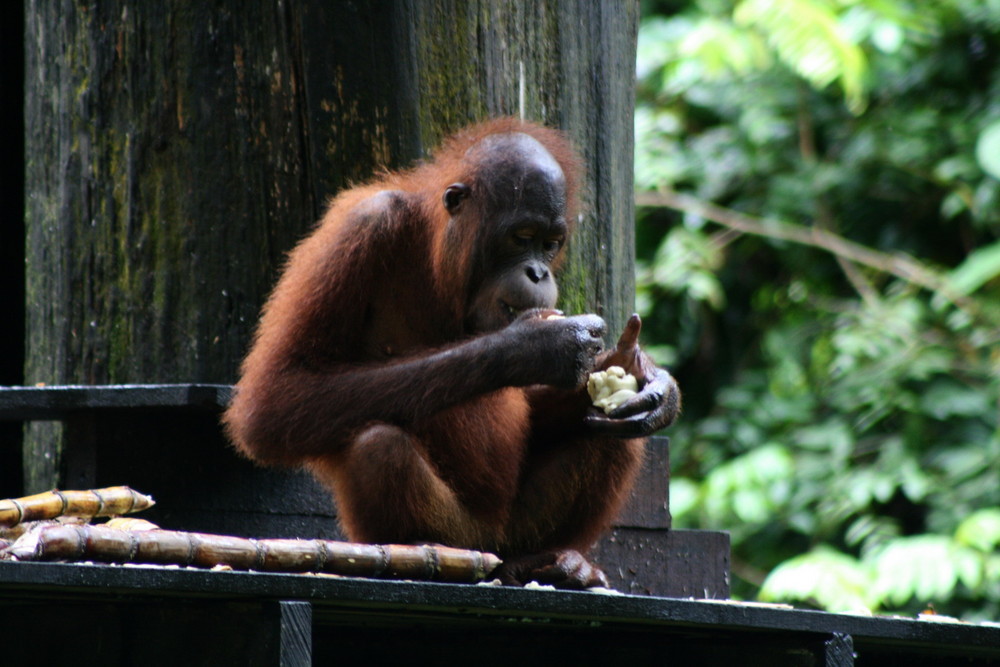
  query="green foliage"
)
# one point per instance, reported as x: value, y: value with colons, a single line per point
x: 809, y: 38
x: 921, y: 567
x: 988, y: 150
x: 842, y: 397
x: 825, y: 577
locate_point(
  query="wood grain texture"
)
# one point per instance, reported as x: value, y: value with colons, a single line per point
x: 176, y: 152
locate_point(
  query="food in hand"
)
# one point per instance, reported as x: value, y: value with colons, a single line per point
x: 609, y: 389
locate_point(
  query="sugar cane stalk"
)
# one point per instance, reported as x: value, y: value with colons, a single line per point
x: 111, y: 501
x: 168, y: 547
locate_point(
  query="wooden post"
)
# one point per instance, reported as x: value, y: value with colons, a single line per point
x: 11, y: 233
x: 175, y: 153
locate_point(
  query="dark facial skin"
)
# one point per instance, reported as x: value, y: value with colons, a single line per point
x: 524, y: 202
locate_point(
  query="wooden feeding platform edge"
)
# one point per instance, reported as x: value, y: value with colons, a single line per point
x: 165, y: 440
x: 139, y: 615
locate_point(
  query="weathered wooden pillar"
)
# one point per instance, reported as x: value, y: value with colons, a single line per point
x: 175, y: 152
x: 11, y: 231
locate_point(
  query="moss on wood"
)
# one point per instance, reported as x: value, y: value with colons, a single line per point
x: 176, y: 152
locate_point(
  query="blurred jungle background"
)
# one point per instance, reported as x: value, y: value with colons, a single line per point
x: 819, y: 261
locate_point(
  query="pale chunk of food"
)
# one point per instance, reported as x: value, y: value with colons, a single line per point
x: 609, y: 389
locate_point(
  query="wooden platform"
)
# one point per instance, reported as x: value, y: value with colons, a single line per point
x: 166, y: 441
x: 105, y: 615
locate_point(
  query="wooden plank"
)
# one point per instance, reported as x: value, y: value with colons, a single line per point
x: 295, y: 628
x: 838, y: 651
x: 60, y: 401
x: 649, y: 505
x: 668, y: 563
x: 158, y: 632
x: 365, y: 619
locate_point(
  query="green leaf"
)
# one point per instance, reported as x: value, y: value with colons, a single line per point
x: 924, y: 568
x: 807, y: 36
x: 988, y: 150
x: 834, y: 581
x: 946, y: 398
x: 871, y: 531
x: 684, y: 496
x: 980, y: 530
x: 685, y: 263
x: 981, y: 266
x: 724, y: 49
x: 750, y: 488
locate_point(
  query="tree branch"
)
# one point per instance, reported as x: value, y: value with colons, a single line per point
x: 898, y: 265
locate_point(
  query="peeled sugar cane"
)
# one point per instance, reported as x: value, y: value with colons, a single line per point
x: 170, y: 547
x: 51, y: 526
x: 112, y: 501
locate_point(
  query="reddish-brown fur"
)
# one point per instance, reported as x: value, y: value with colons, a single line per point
x: 364, y: 369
